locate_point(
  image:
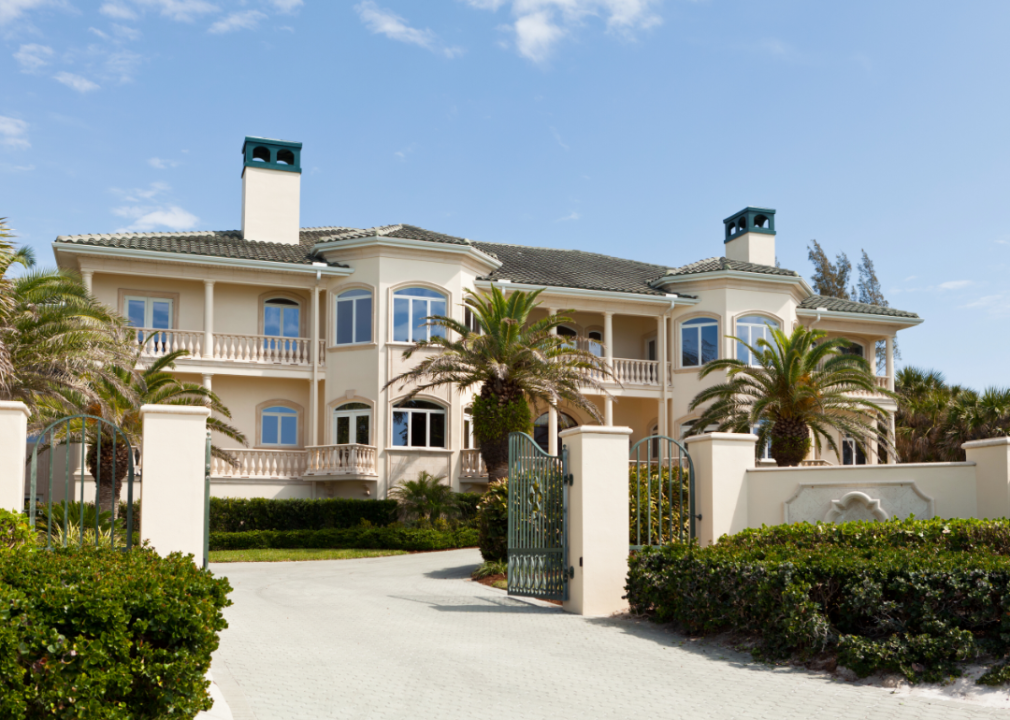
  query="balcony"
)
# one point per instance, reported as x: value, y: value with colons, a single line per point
x: 329, y: 460
x: 473, y: 465
x: 231, y: 347
x: 261, y: 464
x: 881, y: 382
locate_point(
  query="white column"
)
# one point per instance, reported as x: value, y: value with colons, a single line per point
x: 208, y: 383
x: 13, y: 446
x: 208, y: 318
x: 87, y: 276
x: 597, y: 519
x: 608, y: 354
x: 552, y: 415
x: 889, y: 346
x: 721, y: 462
x: 314, y: 382
x: 172, y: 491
x: 892, y: 455
x: 661, y: 377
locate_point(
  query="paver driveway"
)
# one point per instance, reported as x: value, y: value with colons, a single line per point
x: 408, y: 637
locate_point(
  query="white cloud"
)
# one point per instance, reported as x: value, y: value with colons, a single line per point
x: 181, y: 10
x: 126, y: 32
x: 245, y: 20
x: 145, y: 219
x: 1002, y: 242
x: 13, y: 9
x: 162, y: 164
x: 117, y: 10
x: 540, y: 24
x: 570, y: 216
x: 996, y: 304
x: 388, y: 23
x: 137, y: 195
x: 78, y: 83
x: 956, y: 284
x: 99, y: 33
x: 123, y: 64
x: 14, y: 133
x: 32, y: 57
x: 286, y: 6
x: 7, y: 167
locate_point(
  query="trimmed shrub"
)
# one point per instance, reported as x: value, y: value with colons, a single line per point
x: 361, y: 538
x: 107, y: 635
x: 14, y: 531
x: 493, y: 522
x: 917, y: 610
x: 468, y: 506
x: 241, y: 515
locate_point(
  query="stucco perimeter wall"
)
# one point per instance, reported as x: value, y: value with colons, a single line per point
x: 811, y: 494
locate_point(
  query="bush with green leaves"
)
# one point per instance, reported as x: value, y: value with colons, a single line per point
x: 898, y: 602
x: 493, y: 521
x: 426, y: 500
x: 240, y: 515
x: 15, y: 532
x: 655, y: 504
x: 104, y: 635
x: 362, y: 537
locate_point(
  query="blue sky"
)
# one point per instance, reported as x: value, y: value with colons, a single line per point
x: 627, y: 127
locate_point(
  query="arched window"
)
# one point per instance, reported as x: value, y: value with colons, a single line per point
x: 541, y: 432
x: 596, y: 343
x: 354, y: 317
x: 281, y: 319
x: 352, y: 424
x: 853, y: 349
x: 750, y: 329
x: 410, y: 308
x: 418, y: 423
x: 699, y: 341
x: 279, y: 427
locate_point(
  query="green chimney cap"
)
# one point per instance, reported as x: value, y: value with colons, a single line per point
x: 750, y: 219
x: 273, y: 154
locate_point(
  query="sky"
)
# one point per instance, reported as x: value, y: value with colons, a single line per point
x: 625, y: 127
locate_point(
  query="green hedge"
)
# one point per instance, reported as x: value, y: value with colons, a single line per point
x: 361, y: 538
x: 106, y: 635
x: 493, y: 522
x: 917, y: 610
x: 242, y: 515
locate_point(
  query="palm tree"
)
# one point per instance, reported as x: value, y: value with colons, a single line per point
x: 922, y: 423
x: 975, y: 416
x: 513, y: 362
x: 425, y: 499
x: 801, y: 384
x: 55, y: 338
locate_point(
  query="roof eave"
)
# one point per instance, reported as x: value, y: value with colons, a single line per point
x: 866, y: 317
x: 671, y: 300
x: 737, y: 275
x: 381, y: 240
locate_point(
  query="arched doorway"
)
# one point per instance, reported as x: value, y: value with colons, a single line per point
x: 540, y: 432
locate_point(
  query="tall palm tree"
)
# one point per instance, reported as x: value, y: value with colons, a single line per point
x: 976, y: 416
x: 55, y: 337
x: 513, y: 362
x: 922, y: 423
x: 801, y: 384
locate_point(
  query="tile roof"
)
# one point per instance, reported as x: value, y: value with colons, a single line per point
x: 816, y: 302
x: 572, y: 269
x: 722, y: 264
x: 405, y: 232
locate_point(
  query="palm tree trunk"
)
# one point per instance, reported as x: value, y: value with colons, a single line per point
x: 790, y: 441
x: 495, y: 453
x: 110, y: 483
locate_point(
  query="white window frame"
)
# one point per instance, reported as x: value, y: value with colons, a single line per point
x: 149, y: 309
x: 469, y: 439
x: 850, y: 442
x: 283, y: 308
x: 352, y: 416
x: 402, y: 294
x: 766, y: 323
x: 415, y: 412
x: 354, y: 316
x: 267, y: 413
x: 693, y: 324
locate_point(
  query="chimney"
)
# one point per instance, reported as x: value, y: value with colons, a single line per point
x: 750, y: 236
x: 271, y: 190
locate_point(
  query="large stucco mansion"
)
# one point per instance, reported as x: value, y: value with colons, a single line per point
x: 298, y: 330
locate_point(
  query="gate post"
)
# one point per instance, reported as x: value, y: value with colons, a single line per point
x: 13, y: 445
x: 172, y: 480
x: 597, y: 518
x: 721, y: 462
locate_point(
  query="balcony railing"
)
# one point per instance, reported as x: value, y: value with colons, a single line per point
x: 881, y: 381
x: 473, y: 464
x: 261, y: 464
x: 232, y: 347
x: 341, y: 460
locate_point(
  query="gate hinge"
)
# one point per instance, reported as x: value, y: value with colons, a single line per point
x: 569, y: 573
x: 698, y: 516
x: 569, y: 479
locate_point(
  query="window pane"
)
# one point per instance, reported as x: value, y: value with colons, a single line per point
x: 289, y: 430
x: 419, y: 312
x: 363, y: 317
x: 361, y: 421
x: 401, y: 320
x: 271, y: 320
x: 270, y: 429
x: 345, y: 308
x: 651, y: 348
x: 689, y: 347
x: 419, y: 429
x: 400, y: 429
x: 709, y: 343
x: 847, y: 452
x: 466, y: 433
x: 343, y: 430
x: 291, y: 322
x: 135, y: 312
x: 161, y: 314
x: 437, y: 307
x: 437, y: 424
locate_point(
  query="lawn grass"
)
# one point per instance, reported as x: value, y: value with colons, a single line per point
x: 295, y: 555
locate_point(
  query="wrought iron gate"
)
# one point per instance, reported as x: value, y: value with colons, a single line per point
x: 538, y: 520
x: 75, y: 522
x: 662, y: 493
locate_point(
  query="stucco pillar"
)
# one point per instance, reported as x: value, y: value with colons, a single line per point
x: 87, y: 277
x: 721, y: 462
x: 314, y: 382
x: 13, y: 446
x: 208, y: 383
x: 608, y: 355
x: 172, y: 491
x: 597, y: 519
x: 992, y: 475
x: 552, y: 414
x: 889, y: 355
x: 661, y: 377
x: 208, y: 318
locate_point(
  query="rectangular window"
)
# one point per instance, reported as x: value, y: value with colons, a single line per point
x: 149, y: 312
x: 401, y: 319
x: 289, y: 430
x: 436, y: 435
x: 689, y: 356
x: 419, y: 311
x: 354, y: 317
x: 363, y: 320
x: 345, y: 322
x: 270, y: 431
x: 418, y: 429
x: 361, y: 424
x: 699, y: 342
x: 343, y: 430
x: 401, y: 422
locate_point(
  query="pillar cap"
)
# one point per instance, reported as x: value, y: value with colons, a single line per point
x: 595, y: 430
x: 989, y: 442
x: 731, y: 437
x: 14, y: 405
x: 174, y: 410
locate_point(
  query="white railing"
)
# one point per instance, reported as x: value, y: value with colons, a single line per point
x: 322, y: 353
x: 881, y: 381
x: 168, y: 341
x: 260, y: 464
x: 636, y: 372
x: 262, y: 349
x: 473, y: 464
x: 341, y: 460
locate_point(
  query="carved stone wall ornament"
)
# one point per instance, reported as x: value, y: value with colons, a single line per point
x: 843, y: 502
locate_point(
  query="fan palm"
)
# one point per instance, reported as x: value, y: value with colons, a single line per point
x: 801, y: 384
x: 513, y: 363
x: 976, y: 416
x: 923, y: 418
x: 425, y: 499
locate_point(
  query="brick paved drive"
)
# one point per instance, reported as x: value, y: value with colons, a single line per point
x: 408, y: 637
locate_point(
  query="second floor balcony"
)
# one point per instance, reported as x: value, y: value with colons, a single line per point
x: 230, y: 347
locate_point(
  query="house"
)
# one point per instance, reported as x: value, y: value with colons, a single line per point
x: 298, y: 330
